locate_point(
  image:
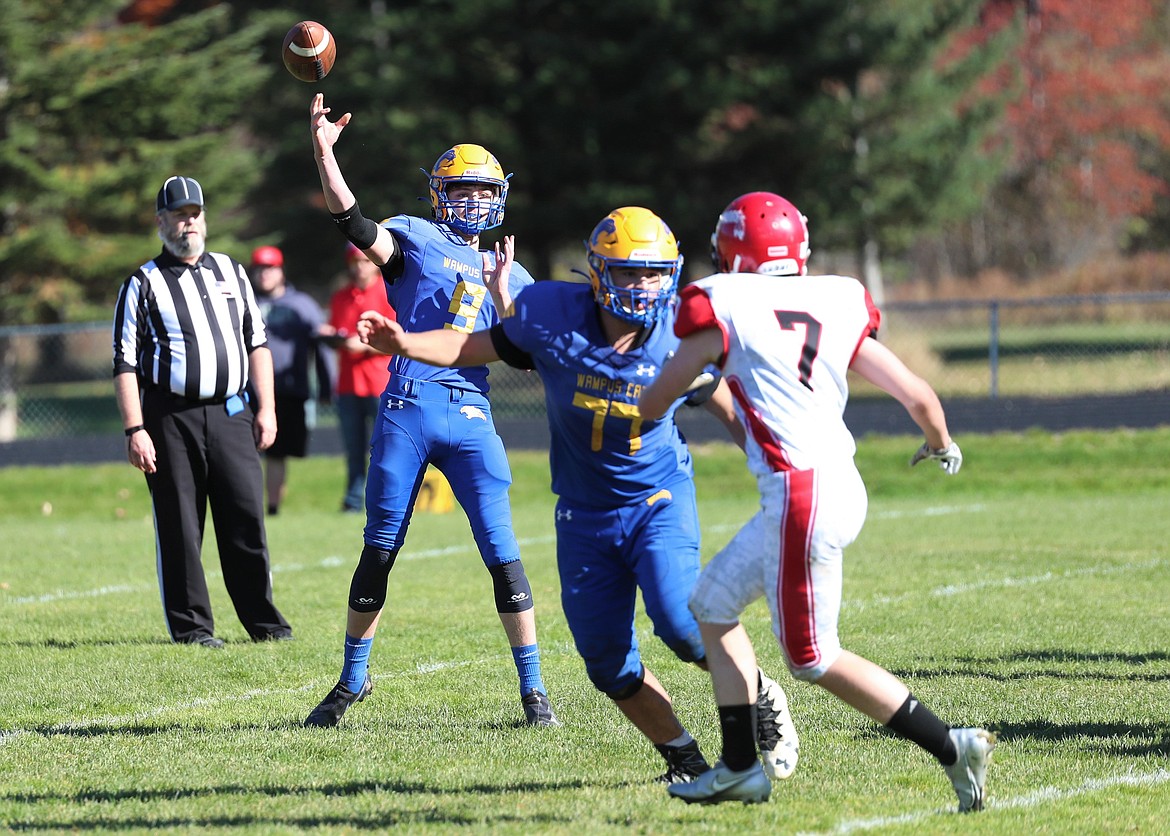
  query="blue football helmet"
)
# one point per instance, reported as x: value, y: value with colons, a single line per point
x: 468, y: 164
x: 633, y: 237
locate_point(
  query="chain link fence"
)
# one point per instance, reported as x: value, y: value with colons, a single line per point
x: 55, y: 380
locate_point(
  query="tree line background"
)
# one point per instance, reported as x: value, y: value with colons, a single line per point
x: 928, y: 141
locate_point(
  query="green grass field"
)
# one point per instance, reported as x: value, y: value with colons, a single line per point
x: 1027, y: 594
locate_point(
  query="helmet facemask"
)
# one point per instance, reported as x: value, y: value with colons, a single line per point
x: 468, y: 164
x: 636, y: 238
x: 636, y: 305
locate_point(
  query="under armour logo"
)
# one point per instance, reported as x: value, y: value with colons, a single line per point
x: 646, y: 370
x: 395, y: 403
x: 472, y: 412
x: 564, y: 515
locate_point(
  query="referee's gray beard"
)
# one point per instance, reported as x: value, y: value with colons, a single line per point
x: 182, y: 246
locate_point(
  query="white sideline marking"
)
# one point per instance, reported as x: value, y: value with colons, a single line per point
x: 62, y: 595
x: 118, y: 720
x: 204, y: 702
x: 332, y: 561
x: 1035, y: 798
x: 1005, y: 582
x: 937, y: 511
x: 933, y: 511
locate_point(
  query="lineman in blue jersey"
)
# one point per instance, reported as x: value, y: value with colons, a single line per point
x: 436, y: 277
x: 625, y: 517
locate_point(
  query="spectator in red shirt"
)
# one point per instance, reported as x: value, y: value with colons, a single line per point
x: 362, y: 372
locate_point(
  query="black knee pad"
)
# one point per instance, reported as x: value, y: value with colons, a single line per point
x: 367, y: 590
x: 629, y: 690
x: 513, y: 593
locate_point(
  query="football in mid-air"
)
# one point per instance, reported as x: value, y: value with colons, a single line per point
x: 309, y: 51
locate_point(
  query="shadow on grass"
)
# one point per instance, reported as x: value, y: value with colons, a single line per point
x: 353, y: 788
x: 1050, y: 664
x: 1117, y: 740
x: 153, y: 641
x: 376, y: 820
x: 1136, y: 740
x: 73, y: 644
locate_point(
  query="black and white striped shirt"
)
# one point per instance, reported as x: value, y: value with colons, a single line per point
x: 188, y: 329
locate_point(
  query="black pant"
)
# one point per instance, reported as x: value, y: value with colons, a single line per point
x: 206, y: 455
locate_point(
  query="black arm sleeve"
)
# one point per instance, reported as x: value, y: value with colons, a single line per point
x: 508, y: 351
x: 356, y: 227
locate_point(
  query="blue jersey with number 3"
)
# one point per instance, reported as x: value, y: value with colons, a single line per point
x: 441, y: 286
x: 602, y: 454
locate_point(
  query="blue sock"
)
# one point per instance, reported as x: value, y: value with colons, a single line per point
x: 357, y: 658
x: 527, y: 660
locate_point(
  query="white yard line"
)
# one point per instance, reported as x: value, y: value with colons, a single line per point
x: 327, y: 562
x: 139, y: 716
x: 1035, y: 798
x: 1005, y: 582
x: 1044, y: 795
x: 422, y: 668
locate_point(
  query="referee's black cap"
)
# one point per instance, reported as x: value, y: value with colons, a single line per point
x: 179, y: 191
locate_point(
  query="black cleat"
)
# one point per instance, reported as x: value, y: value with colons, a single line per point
x: 338, y: 701
x: 274, y: 636
x: 537, y: 710
x: 683, y: 763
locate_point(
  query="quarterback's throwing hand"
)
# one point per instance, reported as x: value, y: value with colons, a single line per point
x: 949, y: 458
x: 380, y: 332
x: 496, y: 271
x: 325, y: 133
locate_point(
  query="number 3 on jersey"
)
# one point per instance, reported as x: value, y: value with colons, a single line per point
x: 789, y: 320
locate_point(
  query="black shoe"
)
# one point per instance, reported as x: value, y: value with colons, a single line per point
x: 274, y: 636
x: 207, y: 641
x: 683, y: 763
x: 338, y: 701
x: 538, y: 710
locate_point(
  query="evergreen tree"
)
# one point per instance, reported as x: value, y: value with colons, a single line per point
x: 853, y: 110
x: 95, y: 116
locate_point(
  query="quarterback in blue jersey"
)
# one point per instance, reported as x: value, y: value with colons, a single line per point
x: 436, y: 277
x: 626, y: 517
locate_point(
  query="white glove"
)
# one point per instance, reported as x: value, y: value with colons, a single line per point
x: 949, y: 458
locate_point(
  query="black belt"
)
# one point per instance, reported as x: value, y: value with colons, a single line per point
x: 183, y: 399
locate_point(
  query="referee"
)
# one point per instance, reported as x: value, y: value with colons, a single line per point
x: 187, y: 336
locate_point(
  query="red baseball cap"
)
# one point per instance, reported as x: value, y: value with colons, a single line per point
x: 352, y: 252
x: 267, y: 256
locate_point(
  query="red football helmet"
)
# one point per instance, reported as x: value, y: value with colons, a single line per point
x: 760, y: 232
x: 267, y: 256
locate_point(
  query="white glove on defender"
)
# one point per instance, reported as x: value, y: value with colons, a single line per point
x: 949, y: 458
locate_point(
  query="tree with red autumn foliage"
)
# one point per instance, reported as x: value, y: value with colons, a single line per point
x: 1086, y: 131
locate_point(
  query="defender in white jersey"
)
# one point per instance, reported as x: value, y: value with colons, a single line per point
x: 785, y: 342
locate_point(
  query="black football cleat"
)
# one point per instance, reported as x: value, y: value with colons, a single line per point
x: 538, y: 710
x: 336, y: 703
